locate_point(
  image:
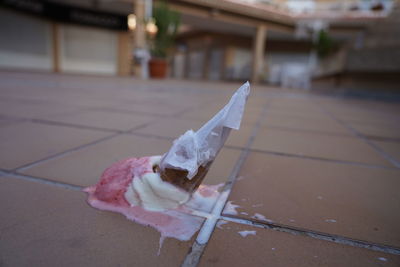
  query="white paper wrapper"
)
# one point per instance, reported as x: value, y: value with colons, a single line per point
x: 194, y: 149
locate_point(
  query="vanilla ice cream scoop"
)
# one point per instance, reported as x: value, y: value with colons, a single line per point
x: 191, y: 155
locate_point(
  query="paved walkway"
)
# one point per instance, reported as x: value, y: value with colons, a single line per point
x: 315, y: 179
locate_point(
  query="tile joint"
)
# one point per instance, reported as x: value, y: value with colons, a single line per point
x: 192, y: 259
x: 63, y: 153
x: 316, y: 235
x: 361, y: 137
x: 16, y: 175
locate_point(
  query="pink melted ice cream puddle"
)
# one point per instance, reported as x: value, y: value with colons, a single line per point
x: 109, y: 194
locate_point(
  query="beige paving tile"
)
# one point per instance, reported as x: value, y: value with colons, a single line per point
x: 251, y: 116
x: 344, y: 148
x: 302, y: 114
x: 159, y: 109
x: 377, y: 130
x: 27, y: 142
x: 33, y: 110
x: 175, y: 127
x: 222, y: 166
x: 326, y: 125
x: 256, y: 100
x: 346, y: 200
x: 106, y: 119
x: 7, y: 121
x: 43, y: 225
x: 272, y: 248
x: 171, y: 127
x: 203, y: 113
x: 239, y: 138
x: 350, y: 114
x: 295, y: 104
x: 392, y: 148
x: 84, y: 167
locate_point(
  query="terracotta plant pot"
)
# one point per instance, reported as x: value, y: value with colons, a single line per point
x: 158, y: 68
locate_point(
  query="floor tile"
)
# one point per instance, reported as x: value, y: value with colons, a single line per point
x: 106, y: 119
x: 171, y: 127
x: 272, y: 248
x: 32, y: 110
x: 7, y: 121
x: 392, y: 148
x: 202, y: 113
x: 159, y: 109
x: 175, y: 127
x: 343, y: 148
x: 302, y: 114
x: 346, y: 200
x: 250, y: 116
x: 295, y: 105
x: 239, y: 138
x: 380, y: 130
x: 364, y: 115
x: 325, y: 125
x: 45, y: 225
x: 84, y: 167
x: 222, y: 166
x: 27, y: 142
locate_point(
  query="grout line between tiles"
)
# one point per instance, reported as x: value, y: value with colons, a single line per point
x: 282, y: 154
x: 150, y: 135
x: 362, y: 137
x: 197, y: 247
x: 317, y: 235
x: 80, y: 126
x: 383, y: 139
x: 41, y: 180
x: 129, y: 112
x: 66, y: 152
x: 192, y: 259
x: 63, y: 153
x: 72, y: 125
x: 293, y: 129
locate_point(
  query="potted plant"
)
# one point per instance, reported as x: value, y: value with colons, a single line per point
x: 324, y: 44
x: 167, y: 22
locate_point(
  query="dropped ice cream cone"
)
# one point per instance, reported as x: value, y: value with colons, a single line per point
x: 163, y: 191
x: 179, y: 177
x: 187, y: 162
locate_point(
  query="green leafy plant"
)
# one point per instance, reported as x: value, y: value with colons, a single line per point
x: 324, y: 45
x: 167, y: 22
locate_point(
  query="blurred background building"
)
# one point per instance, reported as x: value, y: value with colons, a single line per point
x: 311, y: 43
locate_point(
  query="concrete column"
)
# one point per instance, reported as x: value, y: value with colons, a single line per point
x: 124, y: 53
x: 139, y: 40
x: 206, y: 64
x: 56, y: 47
x: 227, y: 62
x: 258, y: 53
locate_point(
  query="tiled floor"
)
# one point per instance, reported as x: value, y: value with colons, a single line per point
x: 312, y: 180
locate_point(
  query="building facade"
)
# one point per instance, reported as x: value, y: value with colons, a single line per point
x: 85, y: 42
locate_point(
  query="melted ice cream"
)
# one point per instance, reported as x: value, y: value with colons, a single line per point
x: 119, y: 191
x: 152, y: 193
x: 133, y: 188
